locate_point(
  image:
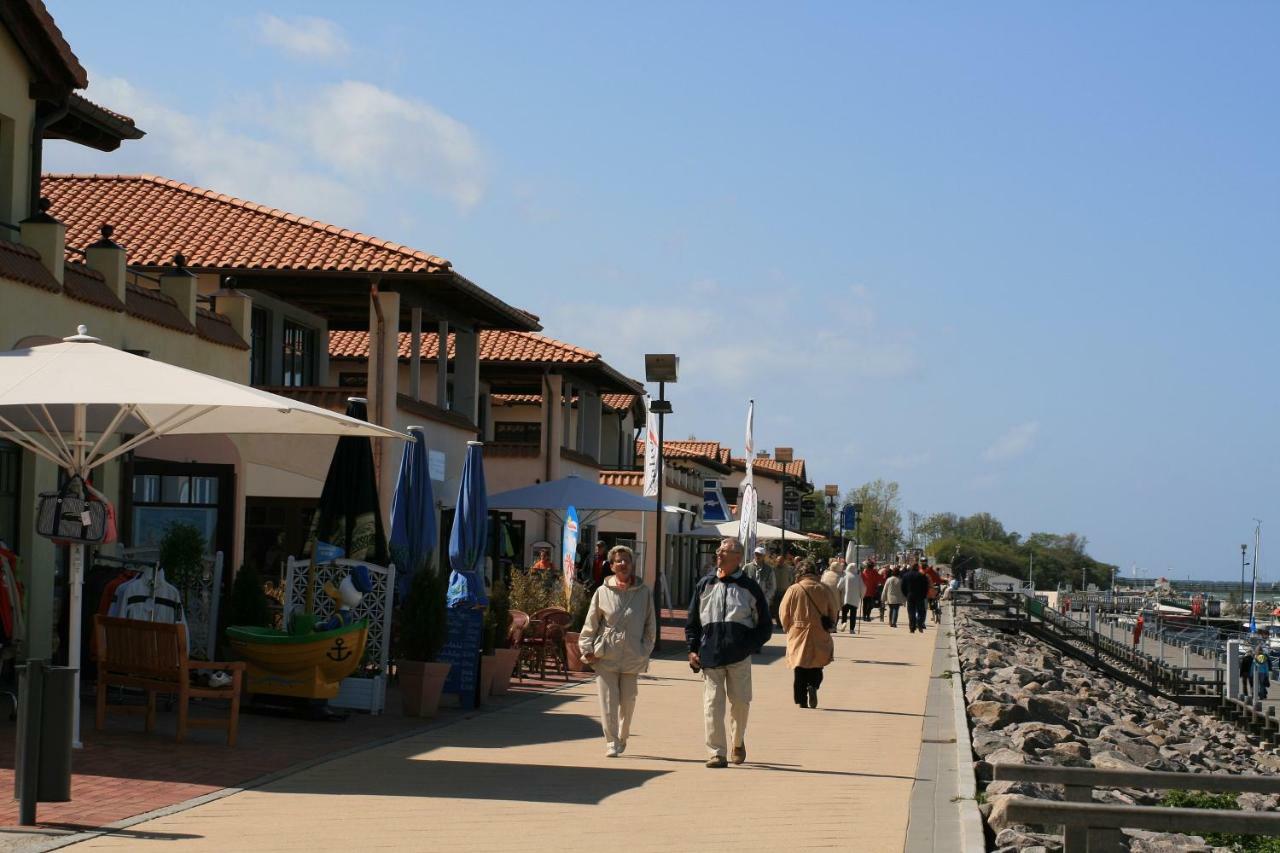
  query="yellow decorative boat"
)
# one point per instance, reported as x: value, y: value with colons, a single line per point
x: 310, y: 665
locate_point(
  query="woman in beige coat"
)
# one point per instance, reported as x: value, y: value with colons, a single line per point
x: 809, y: 643
x: 616, y: 641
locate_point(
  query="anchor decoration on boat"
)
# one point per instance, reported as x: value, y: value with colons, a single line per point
x: 339, y: 652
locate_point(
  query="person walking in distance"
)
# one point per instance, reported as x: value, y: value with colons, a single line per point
x: 616, y: 640
x: 808, y: 614
x: 915, y: 586
x: 870, y: 588
x: 850, y: 591
x: 891, y: 596
x: 728, y: 622
x: 762, y: 573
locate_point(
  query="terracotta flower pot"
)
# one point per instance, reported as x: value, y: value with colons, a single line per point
x: 572, y: 656
x: 504, y: 664
x: 421, y: 683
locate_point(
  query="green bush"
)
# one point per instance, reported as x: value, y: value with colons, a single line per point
x: 531, y: 592
x: 579, y: 603
x: 497, y: 616
x: 423, y: 616
x: 1204, y: 800
x: 182, y: 552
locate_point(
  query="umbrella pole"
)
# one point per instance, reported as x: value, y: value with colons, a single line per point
x: 76, y: 583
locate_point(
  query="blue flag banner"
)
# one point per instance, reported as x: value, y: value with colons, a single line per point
x: 326, y: 553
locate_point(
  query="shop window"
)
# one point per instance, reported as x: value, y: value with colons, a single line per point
x: 299, y: 351
x: 518, y: 432
x: 260, y: 348
x: 173, y: 493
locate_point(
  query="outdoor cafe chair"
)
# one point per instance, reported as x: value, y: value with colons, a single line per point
x: 545, y: 639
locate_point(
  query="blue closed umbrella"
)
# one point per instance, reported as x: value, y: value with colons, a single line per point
x: 413, y: 514
x: 470, y: 533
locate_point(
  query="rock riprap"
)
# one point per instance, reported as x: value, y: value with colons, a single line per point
x: 1028, y: 704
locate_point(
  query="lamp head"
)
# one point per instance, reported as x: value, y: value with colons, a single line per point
x: 661, y: 367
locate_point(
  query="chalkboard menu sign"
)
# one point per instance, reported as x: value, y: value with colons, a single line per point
x: 462, y: 650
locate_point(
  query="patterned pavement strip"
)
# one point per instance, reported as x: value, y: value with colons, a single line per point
x: 533, y: 775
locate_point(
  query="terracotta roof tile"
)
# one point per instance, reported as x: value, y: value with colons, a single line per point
x: 794, y: 468
x: 619, y: 402
x: 22, y: 263
x: 155, y: 217
x: 87, y: 285
x: 155, y: 307
x: 216, y: 328
x: 495, y: 346
x: 707, y: 451
x: 53, y: 37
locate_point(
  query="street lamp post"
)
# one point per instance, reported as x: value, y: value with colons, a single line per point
x: 660, y: 368
x: 832, y: 492
x: 1244, y: 551
x: 1253, y: 599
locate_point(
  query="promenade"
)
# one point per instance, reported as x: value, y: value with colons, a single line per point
x: 534, y: 776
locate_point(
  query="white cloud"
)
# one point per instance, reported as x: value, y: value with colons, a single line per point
x: 299, y: 151
x: 369, y: 134
x: 1014, y: 443
x: 303, y: 37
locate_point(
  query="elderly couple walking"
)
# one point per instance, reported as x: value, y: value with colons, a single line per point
x: 728, y: 622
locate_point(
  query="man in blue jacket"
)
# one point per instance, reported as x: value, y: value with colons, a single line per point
x: 728, y: 622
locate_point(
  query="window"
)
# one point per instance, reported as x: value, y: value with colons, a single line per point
x: 518, y: 432
x: 260, y: 348
x: 299, y: 355
x: 171, y: 492
x: 352, y: 380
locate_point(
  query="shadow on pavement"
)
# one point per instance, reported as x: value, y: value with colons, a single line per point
x: 882, y: 662
x: 791, y: 768
x: 869, y: 711
x: 474, y: 780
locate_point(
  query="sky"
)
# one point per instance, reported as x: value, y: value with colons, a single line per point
x: 1020, y: 257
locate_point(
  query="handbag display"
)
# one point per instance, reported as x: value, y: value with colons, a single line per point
x: 72, y: 514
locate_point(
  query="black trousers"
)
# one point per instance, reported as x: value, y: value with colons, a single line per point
x: 916, y: 615
x: 805, y: 677
x: 849, y: 613
x: 893, y: 615
x: 868, y: 601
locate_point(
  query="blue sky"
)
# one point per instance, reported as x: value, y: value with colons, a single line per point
x: 1021, y: 258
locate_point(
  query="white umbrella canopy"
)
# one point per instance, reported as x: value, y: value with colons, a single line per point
x: 732, y: 529
x: 64, y: 402
x: 81, y: 387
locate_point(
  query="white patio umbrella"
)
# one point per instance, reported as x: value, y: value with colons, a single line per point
x: 64, y: 403
x: 732, y: 529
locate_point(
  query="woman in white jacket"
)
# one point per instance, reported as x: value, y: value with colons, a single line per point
x: 851, y: 589
x: 616, y: 641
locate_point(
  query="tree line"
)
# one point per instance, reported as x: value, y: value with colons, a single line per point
x: 974, y: 541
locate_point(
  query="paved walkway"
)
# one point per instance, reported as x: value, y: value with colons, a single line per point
x: 534, y: 775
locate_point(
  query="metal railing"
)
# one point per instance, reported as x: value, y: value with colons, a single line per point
x: 1090, y: 827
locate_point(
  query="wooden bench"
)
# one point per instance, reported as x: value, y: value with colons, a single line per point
x: 152, y: 656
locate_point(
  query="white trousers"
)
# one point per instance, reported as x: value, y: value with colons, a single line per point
x: 617, y: 704
x: 734, y: 683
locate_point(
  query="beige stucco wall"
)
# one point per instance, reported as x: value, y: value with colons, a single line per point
x: 768, y: 490
x: 17, y: 112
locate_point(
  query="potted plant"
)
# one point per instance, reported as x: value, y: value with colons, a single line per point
x: 182, y: 552
x: 498, y: 640
x: 579, y: 602
x: 422, y: 636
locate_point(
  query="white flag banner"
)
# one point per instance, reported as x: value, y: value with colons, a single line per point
x: 747, y: 520
x: 650, y: 452
x: 749, y: 479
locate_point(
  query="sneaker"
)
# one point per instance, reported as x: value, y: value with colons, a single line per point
x: 813, y: 697
x: 612, y: 751
x: 622, y: 747
x: 717, y: 761
x: 739, y: 754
